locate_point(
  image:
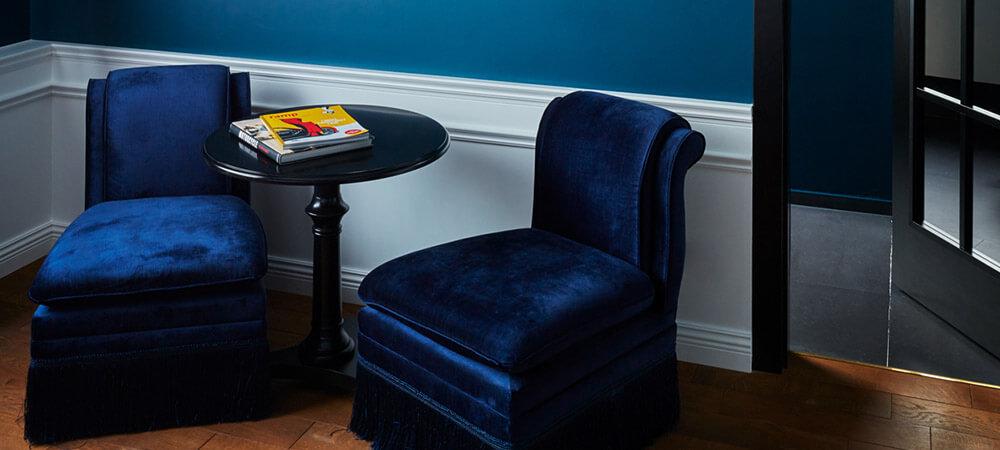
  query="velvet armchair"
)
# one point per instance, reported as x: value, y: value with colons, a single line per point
x: 151, y: 305
x: 561, y: 335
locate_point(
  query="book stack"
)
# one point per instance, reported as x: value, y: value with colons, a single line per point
x: 291, y: 136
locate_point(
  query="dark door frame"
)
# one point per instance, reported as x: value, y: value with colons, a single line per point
x: 770, y: 188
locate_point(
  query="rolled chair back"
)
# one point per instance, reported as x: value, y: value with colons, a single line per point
x: 609, y: 173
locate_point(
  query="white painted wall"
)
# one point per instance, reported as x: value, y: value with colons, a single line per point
x: 482, y: 184
x: 68, y: 156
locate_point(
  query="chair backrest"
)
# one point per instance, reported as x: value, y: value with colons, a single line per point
x: 609, y: 173
x: 146, y: 126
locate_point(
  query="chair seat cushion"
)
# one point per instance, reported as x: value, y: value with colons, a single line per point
x: 153, y: 244
x: 512, y: 299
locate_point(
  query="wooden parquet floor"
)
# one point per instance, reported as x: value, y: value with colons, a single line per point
x: 816, y: 404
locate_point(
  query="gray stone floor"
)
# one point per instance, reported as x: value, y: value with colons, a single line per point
x: 841, y: 303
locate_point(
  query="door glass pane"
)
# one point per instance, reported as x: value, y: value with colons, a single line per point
x: 986, y: 191
x: 987, y: 55
x: 941, y: 169
x: 943, y: 46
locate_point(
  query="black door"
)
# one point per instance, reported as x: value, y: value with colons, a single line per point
x: 946, y: 162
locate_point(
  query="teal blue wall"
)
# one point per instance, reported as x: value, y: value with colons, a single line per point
x: 840, y: 60
x: 840, y: 97
x: 14, y: 21
x: 687, y: 48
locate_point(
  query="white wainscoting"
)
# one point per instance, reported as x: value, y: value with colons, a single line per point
x: 482, y: 184
x: 26, y: 143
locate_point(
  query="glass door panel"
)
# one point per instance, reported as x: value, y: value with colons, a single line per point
x: 943, y: 46
x: 942, y: 153
x: 986, y: 91
x: 986, y: 192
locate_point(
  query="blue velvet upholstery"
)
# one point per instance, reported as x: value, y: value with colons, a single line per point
x: 386, y: 339
x: 512, y: 299
x: 149, y: 320
x: 561, y: 335
x: 140, y: 245
x: 590, y: 169
x: 151, y: 302
x: 139, y: 115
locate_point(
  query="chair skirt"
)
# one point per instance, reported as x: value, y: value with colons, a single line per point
x: 413, y: 393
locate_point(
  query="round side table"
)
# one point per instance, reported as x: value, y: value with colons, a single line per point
x: 403, y: 141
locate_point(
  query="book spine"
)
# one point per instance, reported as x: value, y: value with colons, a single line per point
x: 266, y: 118
x: 253, y: 142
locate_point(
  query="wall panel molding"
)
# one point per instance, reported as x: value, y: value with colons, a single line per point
x: 302, y: 77
x: 17, y: 56
x: 13, y: 99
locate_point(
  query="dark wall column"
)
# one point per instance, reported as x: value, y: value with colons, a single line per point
x: 15, y: 21
x: 840, y: 103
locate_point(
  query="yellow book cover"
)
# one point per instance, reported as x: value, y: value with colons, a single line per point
x: 254, y: 133
x: 314, y: 127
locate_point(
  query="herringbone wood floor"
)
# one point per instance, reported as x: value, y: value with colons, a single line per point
x: 817, y: 403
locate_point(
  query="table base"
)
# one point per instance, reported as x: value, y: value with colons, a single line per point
x: 286, y: 363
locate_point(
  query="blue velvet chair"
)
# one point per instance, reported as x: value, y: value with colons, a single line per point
x: 151, y: 305
x: 561, y: 335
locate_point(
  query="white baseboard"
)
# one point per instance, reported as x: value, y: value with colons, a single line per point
x: 28, y: 247
x: 295, y: 276
x: 713, y: 346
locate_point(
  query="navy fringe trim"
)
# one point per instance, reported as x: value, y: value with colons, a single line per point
x: 75, y: 398
x: 629, y: 416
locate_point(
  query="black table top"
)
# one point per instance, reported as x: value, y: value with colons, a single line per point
x: 403, y: 141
